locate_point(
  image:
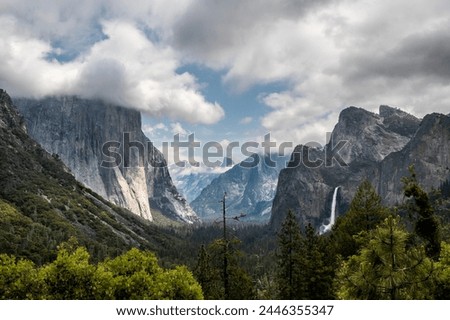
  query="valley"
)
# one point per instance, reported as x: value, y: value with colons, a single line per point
x: 293, y: 231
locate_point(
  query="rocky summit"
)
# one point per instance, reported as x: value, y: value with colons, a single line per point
x: 106, y: 150
x: 363, y: 145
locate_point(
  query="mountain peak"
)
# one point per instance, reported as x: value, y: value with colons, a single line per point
x: 355, y: 115
x: 432, y: 121
x: 388, y: 111
x: 379, y: 148
x: 399, y: 121
x: 372, y: 136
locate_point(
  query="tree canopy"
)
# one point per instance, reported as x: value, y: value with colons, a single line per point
x: 133, y: 275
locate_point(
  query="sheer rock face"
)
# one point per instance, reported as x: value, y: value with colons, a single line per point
x: 42, y: 204
x: 77, y: 129
x: 428, y: 151
x: 379, y: 147
x: 370, y: 136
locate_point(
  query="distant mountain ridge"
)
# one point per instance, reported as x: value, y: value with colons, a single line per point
x: 191, y: 181
x: 76, y: 129
x: 379, y: 147
x: 250, y: 188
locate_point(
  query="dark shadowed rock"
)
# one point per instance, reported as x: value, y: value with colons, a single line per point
x: 379, y: 148
x: 428, y: 151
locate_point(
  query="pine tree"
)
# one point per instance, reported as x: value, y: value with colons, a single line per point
x: 206, y: 275
x: 302, y: 270
x: 443, y: 276
x: 364, y: 214
x: 289, y: 256
x: 209, y: 272
x: 316, y: 275
x: 427, y: 226
x: 386, y: 267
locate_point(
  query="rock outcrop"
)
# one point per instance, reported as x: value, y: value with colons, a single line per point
x: 363, y: 145
x: 42, y: 205
x: 128, y: 171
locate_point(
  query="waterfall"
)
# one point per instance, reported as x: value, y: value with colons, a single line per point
x: 325, y: 228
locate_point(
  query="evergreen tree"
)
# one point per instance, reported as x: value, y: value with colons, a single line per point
x: 289, y: 259
x: 443, y: 276
x: 386, y: 267
x: 303, y: 271
x: 209, y: 272
x: 266, y: 287
x: 316, y: 274
x: 206, y: 275
x: 427, y: 225
x: 364, y: 214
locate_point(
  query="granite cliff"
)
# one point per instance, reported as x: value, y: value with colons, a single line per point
x: 130, y: 173
x: 363, y: 145
x: 43, y: 205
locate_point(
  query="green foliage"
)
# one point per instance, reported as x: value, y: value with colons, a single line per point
x: 427, y: 225
x: 364, y: 214
x: 19, y: 233
x: 267, y: 287
x: 18, y: 279
x: 209, y: 272
x: 133, y: 275
x: 386, y: 267
x: 303, y: 271
x: 137, y: 275
x: 316, y: 271
x: 70, y: 276
x: 181, y: 284
x: 289, y: 257
x: 206, y: 274
x: 443, y: 276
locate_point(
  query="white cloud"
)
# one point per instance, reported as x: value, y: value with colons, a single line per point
x: 329, y: 54
x: 177, y: 128
x: 246, y: 120
x: 154, y: 130
x: 124, y: 67
x: 161, y: 126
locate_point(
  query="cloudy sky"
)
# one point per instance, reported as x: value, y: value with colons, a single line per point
x: 232, y: 70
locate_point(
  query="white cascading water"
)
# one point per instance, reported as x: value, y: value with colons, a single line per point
x: 327, y: 227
